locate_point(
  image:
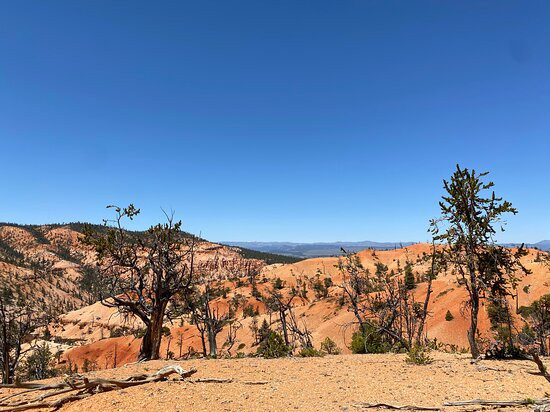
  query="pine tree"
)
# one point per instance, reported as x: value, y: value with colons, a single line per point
x: 470, y: 210
x: 409, y: 277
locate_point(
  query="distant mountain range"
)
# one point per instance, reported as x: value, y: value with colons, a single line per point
x: 323, y: 249
x: 542, y: 245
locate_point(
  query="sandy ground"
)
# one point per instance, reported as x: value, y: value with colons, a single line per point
x: 332, y: 383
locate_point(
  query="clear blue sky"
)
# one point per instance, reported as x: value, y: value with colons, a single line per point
x: 280, y: 120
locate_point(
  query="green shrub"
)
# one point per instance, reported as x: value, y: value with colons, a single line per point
x: 250, y: 311
x: 449, y: 316
x: 264, y: 331
x: 140, y: 333
x: 369, y: 342
x: 419, y: 355
x: 278, y: 283
x: 330, y: 347
x: 321, y: 291
x: 527, y: 336
x: 47, y: 334
x: 310, y: 352
x: 498, y: 312
x: 117, y: 333
x: 505, y: 352
x: 38, y: 365
x: 410, y: 282
x: 89, y: 365
x: 273, y: 346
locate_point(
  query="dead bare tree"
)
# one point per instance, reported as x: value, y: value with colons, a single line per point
x: 19, y: 317
x: 282, y: 305
x: 208, y: 314
x: 180, y: 344
x: 142, y: 275
x: 381, y: 301
x: 196, y: 319
x: 233, y: 326
x: 301, y: 332
x: 537, y: 319
x: 437, y: 265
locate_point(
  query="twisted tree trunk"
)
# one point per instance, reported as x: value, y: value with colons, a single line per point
x: 150, y: 345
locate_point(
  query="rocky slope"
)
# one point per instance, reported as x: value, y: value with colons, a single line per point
x: 325, y: 317
x: 48, y: 263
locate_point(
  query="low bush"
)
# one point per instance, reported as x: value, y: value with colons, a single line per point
x: 139, y: 333
x: 371, y: 341
x: 250, y: 311
x: 89, y: 365
x: 273, y: 346
x: 278, y: 283
x: 310, y: 352
x: 330, y: 347
x: 117, y: 333
x: 419, y: 355
x: 505, y: 352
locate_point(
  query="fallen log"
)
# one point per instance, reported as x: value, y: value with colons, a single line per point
x: 212, y: 380
x: 389, y: 406
x: 82, y: 388
x: 55, y: 404
x: 545, y: 407
x: 503, y: 404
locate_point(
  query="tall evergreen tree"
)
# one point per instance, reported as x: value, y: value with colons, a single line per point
x: 470, y: 214
x: 409, y: 277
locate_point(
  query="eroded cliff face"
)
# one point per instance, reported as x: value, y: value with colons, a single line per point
x: 47, y: 264
x: 325, y: 316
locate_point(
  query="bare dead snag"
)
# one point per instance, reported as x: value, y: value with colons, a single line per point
x: 82, y: 388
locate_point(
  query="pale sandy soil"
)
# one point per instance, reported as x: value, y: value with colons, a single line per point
x: 332, y: 383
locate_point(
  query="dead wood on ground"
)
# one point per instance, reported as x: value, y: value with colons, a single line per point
x: 81, y: 388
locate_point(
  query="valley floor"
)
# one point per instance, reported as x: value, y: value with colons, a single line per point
x: 332, y: 383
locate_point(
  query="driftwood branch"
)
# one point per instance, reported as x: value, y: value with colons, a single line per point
x: 388, y: 406
x: 545, y: 407
x: 81, y: 386
x: 503, y: 404
x: 212, y: 380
